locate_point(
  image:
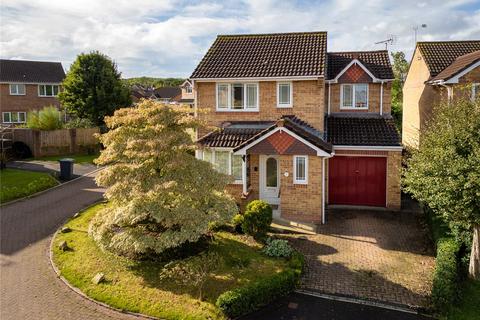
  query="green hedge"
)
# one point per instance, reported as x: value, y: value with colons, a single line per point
x: 246, y: 299
x: 446, y: 276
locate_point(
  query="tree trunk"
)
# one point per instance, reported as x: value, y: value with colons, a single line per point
x: 474, y: 268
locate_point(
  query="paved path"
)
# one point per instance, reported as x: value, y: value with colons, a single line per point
x: 29, y: 287
x: 305, y: 307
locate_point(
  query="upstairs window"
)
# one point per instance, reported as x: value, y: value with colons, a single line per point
x: 284, y: 95
x: 188, y: 89
x: 17, y: 89
x: 48, y: 90
x: 354, y: 96
x: 237, y: 96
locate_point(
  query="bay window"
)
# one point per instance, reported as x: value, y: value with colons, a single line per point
x: 300, y: 169
x: 224, y: 161
x: 237, y: 97
x: 354, y: 96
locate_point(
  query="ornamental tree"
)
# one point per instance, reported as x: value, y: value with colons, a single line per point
x: 161, y: 196
x: 93, y: 89
x: 445, y: 171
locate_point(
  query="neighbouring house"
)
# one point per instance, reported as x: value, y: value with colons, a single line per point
x: 187, y: 94
x: 168, y: 95
x: 26, y: 86
x: 300, y: 128
x: 439, y: 71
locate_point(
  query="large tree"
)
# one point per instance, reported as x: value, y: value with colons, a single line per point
x: 400, y: 70
x: 93, y: 89
x: 445, y: 171
x: 160, y: 195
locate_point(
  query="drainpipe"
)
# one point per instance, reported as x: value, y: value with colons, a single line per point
x: 449, y: 91
x: 381, y: 99
x: 328, y: 104
x: 323, y: 190
x: 195, y: 113
x: 244, y: 174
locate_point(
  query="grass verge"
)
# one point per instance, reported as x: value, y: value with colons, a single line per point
x: 469, y: 305
x: 21, y: 183
x: 136, y: 286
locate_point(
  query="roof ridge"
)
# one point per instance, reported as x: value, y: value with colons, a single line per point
x: 449, y: 41
x: 268, y: 34
x: 37, y: 61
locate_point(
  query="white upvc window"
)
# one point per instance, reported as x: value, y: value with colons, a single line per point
x: 14, y: 117
x: 48, y: 90
x: 224, y: 161
x: 284, y: 95
x: 17, y: 89
x: 475, y: 91
x: 237, y: 96
x: 188, y: 89
x: 300, y: 169
x: 354, y: 96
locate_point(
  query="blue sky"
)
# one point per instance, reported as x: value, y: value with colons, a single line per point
x: 168, y: 38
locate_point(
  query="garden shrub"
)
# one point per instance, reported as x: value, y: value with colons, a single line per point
x: 257, y: 219
x: 246, y: 299
x: 277, y: 248
x: 49, y: 118
x: 79, y: 123
x: 446, y: 274
x: 237, y: 222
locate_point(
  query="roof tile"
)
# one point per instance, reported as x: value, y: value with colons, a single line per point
x: 377, y: 62
x: 31, y: 71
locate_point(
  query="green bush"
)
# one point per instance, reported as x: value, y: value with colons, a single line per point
x: 446, y: 275
x: 277, y: 248
x: 257, y: 219
x: 79, y: 123
x: 237, y: 222
x: 246, y: 299
x: 49, y: 118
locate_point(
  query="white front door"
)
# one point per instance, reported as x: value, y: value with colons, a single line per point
x: 269, y: 179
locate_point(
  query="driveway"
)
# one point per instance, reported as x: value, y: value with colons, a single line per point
x: 53, y: 167
x: 375, y: 255
x: 29, y: 287
x: 306, y: 307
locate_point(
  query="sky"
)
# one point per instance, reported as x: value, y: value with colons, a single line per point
x: 163, y: 38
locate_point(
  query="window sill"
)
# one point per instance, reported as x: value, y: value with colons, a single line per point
x: 48, y: 96
x: 345, y: 108
x: 13, y: 94
x: 284, y: 106
x: 237, y: 110
x: 301, y: 183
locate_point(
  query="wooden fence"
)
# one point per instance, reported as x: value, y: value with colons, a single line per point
x: 58, y: 142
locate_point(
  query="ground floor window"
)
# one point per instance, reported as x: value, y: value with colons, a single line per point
x: 300, y: 169
x: 224, y: 161
x: 14, y: 117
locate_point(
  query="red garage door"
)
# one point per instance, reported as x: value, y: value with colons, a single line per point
x: 357, y: 181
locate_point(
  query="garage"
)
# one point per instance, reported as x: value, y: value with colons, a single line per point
x: 359, y: 181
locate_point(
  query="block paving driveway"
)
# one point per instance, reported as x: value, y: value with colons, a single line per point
x: 381, y: 256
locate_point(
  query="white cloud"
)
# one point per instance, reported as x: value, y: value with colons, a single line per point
x: 167, y: 38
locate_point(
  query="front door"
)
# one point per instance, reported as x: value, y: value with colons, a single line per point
x: 269, y: 179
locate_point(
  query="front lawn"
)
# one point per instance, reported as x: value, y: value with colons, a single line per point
x: 79, y: 158
x: 21, y: 183
x: 469, y: 306
x: 137, y: 286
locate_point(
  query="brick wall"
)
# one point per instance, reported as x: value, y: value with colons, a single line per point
x: 29, y: 101
x: 308, y: 104
x: 373, y: 98
x: 394, y: 165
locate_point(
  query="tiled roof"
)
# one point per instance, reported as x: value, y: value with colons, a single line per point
x: 377, y: 62
x: 233, y: 134
x: 31, y: 71
x: 460, y: 64
x: 353, y: 130
x: 264, y: 55
x: 438, y: 55
x: 306, y: 131
x: 167, y: 92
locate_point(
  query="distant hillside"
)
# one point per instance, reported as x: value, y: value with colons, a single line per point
x: 154, y: 82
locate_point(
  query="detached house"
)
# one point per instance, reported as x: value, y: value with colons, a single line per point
x: 26, y: 86
x: 298, y: 127
x: 439, y: 71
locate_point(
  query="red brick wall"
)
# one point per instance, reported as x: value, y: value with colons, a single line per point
x: 29, y: 101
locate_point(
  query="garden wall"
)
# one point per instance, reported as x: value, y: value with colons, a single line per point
x: 58, y: 142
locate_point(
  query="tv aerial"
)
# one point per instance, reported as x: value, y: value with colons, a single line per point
x: 392, y: 40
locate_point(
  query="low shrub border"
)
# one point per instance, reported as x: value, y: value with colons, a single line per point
x: 251, y: 297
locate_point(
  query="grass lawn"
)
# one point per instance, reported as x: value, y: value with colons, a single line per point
x: 136, y: 285
x: 21, y: 183
x: 469, y: 306
x: 79, y: 158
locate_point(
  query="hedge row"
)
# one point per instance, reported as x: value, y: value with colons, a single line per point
x: 246, y: 299
x: 446, y: 276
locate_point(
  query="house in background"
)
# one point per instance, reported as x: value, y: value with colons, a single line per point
x: 26, y: 86
x: 298, y: 127
x: 439, y: 71
x: 188, y: 98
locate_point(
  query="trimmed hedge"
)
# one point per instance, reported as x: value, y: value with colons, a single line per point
x: 246, y: 299
x: 446, y: 276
